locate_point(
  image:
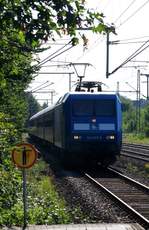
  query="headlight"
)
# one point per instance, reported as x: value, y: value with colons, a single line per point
x: 110, y: 137
x: 76, y: 137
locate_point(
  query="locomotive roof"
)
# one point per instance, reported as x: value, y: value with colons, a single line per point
x: 42, y: 112
x: 91, y: 93
x: 65, y: 97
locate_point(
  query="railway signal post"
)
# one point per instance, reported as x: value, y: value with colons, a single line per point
x: 24, y: 155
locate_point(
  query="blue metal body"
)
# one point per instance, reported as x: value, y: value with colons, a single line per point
x: 83, y: 126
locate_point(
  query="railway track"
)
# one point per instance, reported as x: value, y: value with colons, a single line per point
x: 136, y: 151
x: 130, y: 194
x: 139, y: 146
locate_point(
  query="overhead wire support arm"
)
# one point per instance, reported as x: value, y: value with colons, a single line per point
x: 36, y: 88
x: 51, y: 55
x: 34, y: 91
x: 136, y: 53
x: 56, y: 73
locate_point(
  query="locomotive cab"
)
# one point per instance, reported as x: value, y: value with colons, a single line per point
x: 82, y: 127
x: 93, y: 124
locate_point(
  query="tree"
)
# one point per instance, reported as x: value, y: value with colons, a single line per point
x: 33, y: 105
x: 45, y: 105
x: 24, y: 26
x: 129, y: 122
x: 33, y: 21
x: 146, y: 120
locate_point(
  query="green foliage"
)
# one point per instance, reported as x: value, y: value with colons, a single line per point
x: 146, y: 166
x: 45, y: 105
x: 45, y: 206
x: 33, y: 105
x: 146, y: 121
x: 34, y: 21
x: 129, y: 121
x: 142, y: 172
x: 135, y: 138
x: 131, y: 168
x: 43, y: 202
x: 25, y: 25
x: 10, y: 190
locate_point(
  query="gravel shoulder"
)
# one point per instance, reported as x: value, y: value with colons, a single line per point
x: 86, y: 202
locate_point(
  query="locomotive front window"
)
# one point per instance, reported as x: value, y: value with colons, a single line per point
x: 94, y: 108
x: 83, y: 108
x: 105, y: 108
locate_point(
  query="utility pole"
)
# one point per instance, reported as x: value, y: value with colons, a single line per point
x: 52, y: 95
x: 138, y: 115
x: 60, y: 73
x: 138, y: 105
x: 118, y: 88
x: 107, y: 57
x: 69, y: 82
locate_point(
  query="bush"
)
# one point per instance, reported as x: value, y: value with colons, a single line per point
x: 11, y: 193
x: 146, y: 131
x: 44, y: 206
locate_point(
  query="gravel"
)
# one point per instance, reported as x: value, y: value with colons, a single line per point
x: 133, y: 168
x: 80, y: 194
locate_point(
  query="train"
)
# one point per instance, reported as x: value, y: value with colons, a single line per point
x: 82, y: 128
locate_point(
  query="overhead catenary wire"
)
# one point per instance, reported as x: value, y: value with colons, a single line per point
x: 134, y: 13
x: 125, y: 43
x: 43, y: 87
x: 124, y: 11
x: 125, y: 62
x: 68, y: 62
x: 55, y: 65
x: 50, y: 56
x: 92, y: 47
x: 130, y: 39
x: 36, y: 88
x: 56, y: 55
x: 137, y: 52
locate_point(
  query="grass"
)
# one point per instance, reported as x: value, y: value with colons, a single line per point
x: 144, y: 173
x: 136, y: 138
x: 45, y: 206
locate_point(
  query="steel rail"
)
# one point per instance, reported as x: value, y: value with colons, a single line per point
x: 142, y: 186
x: 134, y: 151
x: 135, y: 213
x: 130, y: 150
x: 142, y: 146
x: 129, y: 154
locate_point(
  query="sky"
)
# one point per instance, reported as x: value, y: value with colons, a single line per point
x: 130, y: 18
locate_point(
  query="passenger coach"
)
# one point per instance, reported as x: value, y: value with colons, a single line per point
x: 82, y: 127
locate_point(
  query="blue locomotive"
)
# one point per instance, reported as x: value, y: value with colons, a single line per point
x: 83, y: 127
